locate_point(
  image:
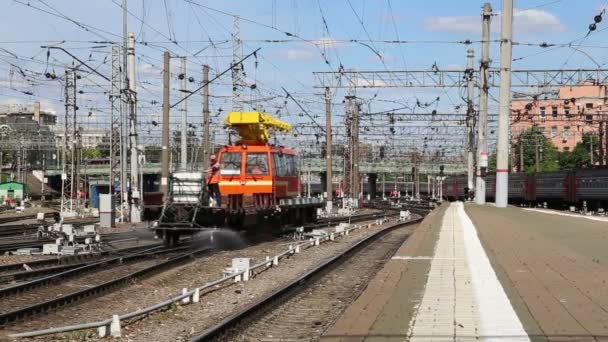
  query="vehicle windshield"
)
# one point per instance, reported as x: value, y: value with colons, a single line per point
x: 230, y: 163
x: 257, y: 164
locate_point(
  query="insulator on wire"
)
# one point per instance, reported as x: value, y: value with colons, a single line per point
x: 597, y: 18
x: 592, y: 27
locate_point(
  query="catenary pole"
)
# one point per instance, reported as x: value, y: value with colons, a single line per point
x: 164, y: 164
x: 470, y: 122
x: 482, y: 122
x: 136, y: 197
x: 328, y: 151
x: 206, y: 148
x: 184, y: 125
x: 502, y: 155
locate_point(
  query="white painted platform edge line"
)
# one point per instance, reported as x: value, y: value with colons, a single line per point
x: 400, y: 257
x: 497, y: 316
x: 551, y: 212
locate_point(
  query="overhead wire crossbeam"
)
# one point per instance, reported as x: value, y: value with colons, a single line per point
x: 345, y: 79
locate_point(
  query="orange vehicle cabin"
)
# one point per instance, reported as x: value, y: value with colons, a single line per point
x: 258, y: 174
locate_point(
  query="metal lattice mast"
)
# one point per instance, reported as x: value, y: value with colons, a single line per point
x: 69, y: 143
x: 347, y: 182
x: 116, y: 168
x: 237, y: 68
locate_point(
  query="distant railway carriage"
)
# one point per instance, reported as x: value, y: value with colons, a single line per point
x: 562, y: 187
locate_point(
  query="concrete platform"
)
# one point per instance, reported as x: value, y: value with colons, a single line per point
x: 483, y: 273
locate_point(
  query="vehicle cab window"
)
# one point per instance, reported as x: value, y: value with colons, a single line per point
x: 230, y: 164
x: 257, y: 164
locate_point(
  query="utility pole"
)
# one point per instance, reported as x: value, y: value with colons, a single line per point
x: 328, y: 151
x: 482, y: 124
x: 521, y: 155
x: 183, y: 165
x: 206, y: 147
x: 537, y: 156
x: 124, y: 103
x: 470, y: 119
x: 606, y: 142
x: 601, y: 145
x: 591, y: 148
x: 348, y: 152
x: 136, y: 197
x: 164, y: 163
x: 502, y: 155
x: 308, y: 182
x: 355, y: 149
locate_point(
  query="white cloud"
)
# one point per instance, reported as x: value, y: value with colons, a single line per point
x: 466, y: 24
x: 147, y: 69
x: 327, y: 42
x: 364, y: 83
x: 453, y: 66
x: 524, y: 21
x: 535, y: 20
x: 295, y: 54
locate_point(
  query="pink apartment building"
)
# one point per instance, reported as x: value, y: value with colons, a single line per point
x: 562, y: 114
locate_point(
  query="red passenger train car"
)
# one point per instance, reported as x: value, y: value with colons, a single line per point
x: 554, y: 188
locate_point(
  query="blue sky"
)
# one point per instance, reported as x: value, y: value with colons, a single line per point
x: 434, y: 28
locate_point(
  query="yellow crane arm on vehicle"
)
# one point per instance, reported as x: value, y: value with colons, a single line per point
x: 255, y: 126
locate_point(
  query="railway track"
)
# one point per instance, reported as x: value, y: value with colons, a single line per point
x: 208, y: 273
x: 49, y: 293
x: 306, y: 306
x: 9, y: 219
x: 14, y: 243
x: 23, y: 229
x: 20, y: 272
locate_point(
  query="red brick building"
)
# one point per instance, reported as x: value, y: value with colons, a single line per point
x: 562, y: 114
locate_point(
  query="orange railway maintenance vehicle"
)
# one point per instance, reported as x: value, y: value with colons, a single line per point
x: 259, y: 185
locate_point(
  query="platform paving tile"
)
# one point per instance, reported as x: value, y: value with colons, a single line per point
x: 463, y: 299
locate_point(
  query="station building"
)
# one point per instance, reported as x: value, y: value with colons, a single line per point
x: 562, y: 114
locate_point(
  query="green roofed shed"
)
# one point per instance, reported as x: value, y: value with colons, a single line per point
x: 12, y: 190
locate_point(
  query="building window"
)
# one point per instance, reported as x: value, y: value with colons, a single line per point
x: 542, y: 112
x: 554, y: 131
x: 589, y: 118
x: 567, y: 111
x: 566, y: 132
x: 589, y: 105
x: 566, y: 148
x: 554, y: 111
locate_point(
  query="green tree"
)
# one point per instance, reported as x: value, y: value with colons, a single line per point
x: 492, y: 163
x: 580, y: 157
x: 93, y: 153
x: 535, y: 143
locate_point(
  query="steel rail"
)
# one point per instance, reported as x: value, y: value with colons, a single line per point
x: 229, y: 323
x: 186, y: 295
x: 59, y: 265
x: 87, y: 267
x: 23, y: 313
